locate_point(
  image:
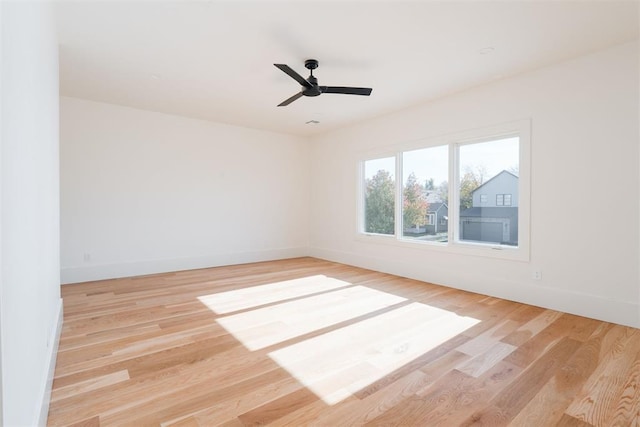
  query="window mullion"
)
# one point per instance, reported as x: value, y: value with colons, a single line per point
x: 398, y: 210
x: 454, y: 179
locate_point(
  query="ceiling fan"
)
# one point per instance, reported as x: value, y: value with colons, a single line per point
x: 310, y: 85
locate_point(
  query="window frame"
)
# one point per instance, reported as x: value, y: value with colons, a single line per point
x: 519, y: 128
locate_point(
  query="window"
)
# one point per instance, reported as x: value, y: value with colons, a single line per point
x: 491, y: 166
x: 431, y: 219
x: 407, y: 195
x: 379, y: 196
x: 425, y: 175
x: 503, y: 199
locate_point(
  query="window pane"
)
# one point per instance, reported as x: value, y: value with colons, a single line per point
x: 425, y: 193
x: 379, y: 196
x: 490, y: 168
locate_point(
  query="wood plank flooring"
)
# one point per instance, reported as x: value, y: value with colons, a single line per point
x: 309, y: 342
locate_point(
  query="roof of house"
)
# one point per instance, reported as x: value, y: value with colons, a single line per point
x: 432, y: 197
x: 494, y: 177
x: 434, y: 207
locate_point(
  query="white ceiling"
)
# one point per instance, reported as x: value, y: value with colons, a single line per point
x: 214, y: 59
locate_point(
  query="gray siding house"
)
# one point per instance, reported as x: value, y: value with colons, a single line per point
x: 493, y: 217
x: 437, y: 218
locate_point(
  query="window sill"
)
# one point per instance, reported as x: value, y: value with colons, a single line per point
x: 468, y: 249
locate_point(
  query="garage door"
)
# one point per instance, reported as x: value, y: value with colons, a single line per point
x: 482, y: 231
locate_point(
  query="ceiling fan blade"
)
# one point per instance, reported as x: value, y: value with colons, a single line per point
x: 297, y: 77
x: 290, y: 100
x: 366, y: 91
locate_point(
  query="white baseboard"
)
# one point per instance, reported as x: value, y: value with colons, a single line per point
x: 554, y: 298
x: 112, y: 271
x: 53, y: 343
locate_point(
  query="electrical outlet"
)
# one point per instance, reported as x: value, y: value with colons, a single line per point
x: 536, y: 275
x: 86, y: 257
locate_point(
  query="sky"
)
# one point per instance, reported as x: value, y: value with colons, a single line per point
x: 495, y: 156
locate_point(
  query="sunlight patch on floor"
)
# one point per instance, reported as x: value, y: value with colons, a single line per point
x: 339, y: 363
x: 336, y: 364
x: 254, y: 296
x: 270, y: 325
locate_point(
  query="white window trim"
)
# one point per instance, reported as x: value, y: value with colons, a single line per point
x: 520, y: 128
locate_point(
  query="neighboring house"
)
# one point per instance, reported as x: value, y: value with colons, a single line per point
x: 493, y: 216
x: 437, y: 218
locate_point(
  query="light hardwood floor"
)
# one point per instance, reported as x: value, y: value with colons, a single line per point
x: 309, y: 342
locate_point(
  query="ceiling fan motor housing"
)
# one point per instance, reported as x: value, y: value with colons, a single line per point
x: 314, y: 89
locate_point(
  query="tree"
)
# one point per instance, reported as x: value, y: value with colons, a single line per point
x: 428, y: 185
x: 379, y: 203
x: 471, y: 180
x: 443, y: 192
x: 414, y: 203
x: 468, y: 183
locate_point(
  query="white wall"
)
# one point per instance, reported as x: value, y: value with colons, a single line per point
x: 584, y: 217
x: 29, y: 228
x: 145, y: 192
x: 1, y: 139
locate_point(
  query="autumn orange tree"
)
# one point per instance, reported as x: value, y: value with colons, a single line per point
x: 414, y: 203
x: 472, y: 179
